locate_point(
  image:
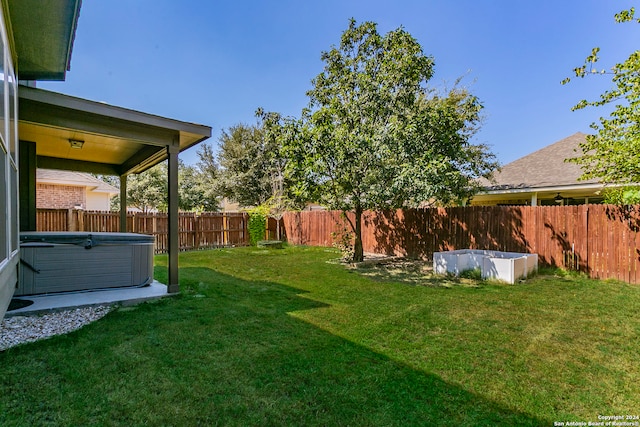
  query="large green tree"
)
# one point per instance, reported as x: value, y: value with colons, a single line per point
x: 374, y: 135
x: 250, y: 164
x: 612, y: 154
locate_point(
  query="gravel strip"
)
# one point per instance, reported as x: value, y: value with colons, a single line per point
x: 22, y: 329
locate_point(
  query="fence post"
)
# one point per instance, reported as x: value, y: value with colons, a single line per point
x: 587, y: 260
x: 225, y: 229
x: 196, y: 226
x: 71, y: 226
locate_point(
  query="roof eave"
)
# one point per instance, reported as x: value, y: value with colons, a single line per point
x: 41, y: 35
x: 565, y: 187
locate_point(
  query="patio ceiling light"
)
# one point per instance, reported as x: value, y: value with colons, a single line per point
x: 558, y: 198
x: 76, y: 143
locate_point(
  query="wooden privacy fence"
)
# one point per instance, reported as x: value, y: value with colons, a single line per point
x: 601, y: 240
x: 196, y: 231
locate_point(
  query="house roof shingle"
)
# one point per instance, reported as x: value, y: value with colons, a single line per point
x: 543, y: 168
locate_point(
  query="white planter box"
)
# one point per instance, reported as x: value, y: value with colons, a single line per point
x: 506, y: 267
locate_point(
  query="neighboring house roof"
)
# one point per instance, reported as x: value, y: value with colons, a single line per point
x: 542, y: 177
x: 543, y: 168
x: 78, y: 179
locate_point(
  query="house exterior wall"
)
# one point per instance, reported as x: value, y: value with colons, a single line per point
x: 49, y: 196
x: 97, y: 201
x: 9, y: 220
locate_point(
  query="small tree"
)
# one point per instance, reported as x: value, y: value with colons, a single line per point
x: 278, y: 204
x: 375, y: 137
x: 612, y: 155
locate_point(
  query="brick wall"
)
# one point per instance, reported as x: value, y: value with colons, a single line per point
x: 50, y: 196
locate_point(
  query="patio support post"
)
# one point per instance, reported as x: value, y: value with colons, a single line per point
x: 123, y: 203
x: 27, y: 180
x: 172, y: 152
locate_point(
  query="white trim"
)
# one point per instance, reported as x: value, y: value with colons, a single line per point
x: 546, y: 189
x: 559, y: 188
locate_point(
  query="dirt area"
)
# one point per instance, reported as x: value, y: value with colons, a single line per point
x: 408, y: 271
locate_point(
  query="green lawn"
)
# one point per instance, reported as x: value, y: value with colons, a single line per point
x: 282, y: 337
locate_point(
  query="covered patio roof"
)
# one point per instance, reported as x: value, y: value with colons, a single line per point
x: 114, y: 140
x: 62, y: 132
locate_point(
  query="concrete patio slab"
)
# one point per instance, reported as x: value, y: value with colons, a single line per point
x: 68, y: 300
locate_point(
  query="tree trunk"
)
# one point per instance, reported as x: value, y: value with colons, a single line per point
x: 358, y: 252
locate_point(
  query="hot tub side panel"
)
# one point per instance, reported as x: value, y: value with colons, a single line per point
x: 62, y: 268
x: 142, y: 264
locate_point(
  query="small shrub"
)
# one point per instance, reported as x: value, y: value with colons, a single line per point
x: 472, y: 273
x: 343, y: 240
x: 560, y: 272
x: 257, y: 226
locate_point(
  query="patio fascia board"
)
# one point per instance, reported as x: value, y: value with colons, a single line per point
x: 78, y: 120
x: 56, y: 109
x: 54, y: 99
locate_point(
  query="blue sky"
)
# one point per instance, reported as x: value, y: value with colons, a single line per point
x: 216, y: 62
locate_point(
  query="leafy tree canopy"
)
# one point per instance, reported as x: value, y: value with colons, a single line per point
x: 196, y: 190
x: 612, y: 155
x: 244, y: 161
x: 148, y: 191
x: 374, y: 136
x: 251, y: 165
x: 625, y: 195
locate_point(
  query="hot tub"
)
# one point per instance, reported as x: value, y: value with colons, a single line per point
x: 78, y: 261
